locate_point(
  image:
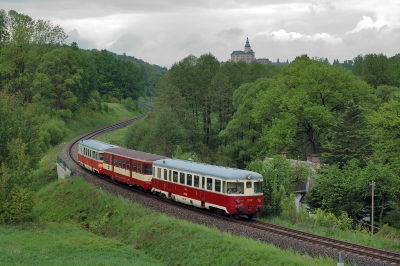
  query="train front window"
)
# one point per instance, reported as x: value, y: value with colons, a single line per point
x: 147, y: 169
x: 235, y: 187
x: 101, y: 156
x: 258, y: 187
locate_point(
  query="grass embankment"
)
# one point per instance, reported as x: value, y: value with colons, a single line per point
x: 132, y: 228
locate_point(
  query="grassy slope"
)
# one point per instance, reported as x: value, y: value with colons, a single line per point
x: 168, y: 240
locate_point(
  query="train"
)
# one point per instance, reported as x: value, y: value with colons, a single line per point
x: 223, y: 190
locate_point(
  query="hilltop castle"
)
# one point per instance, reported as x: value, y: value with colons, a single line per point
x: 248, y: 56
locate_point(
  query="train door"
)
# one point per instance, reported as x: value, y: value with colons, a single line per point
x: 202, y: 191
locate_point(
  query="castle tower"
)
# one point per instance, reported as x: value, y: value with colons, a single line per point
x: 247, y: 47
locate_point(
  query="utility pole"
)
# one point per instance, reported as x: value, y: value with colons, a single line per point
x: 372, y: 184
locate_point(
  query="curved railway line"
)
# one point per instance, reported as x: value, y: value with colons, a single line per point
x: 351, y: 253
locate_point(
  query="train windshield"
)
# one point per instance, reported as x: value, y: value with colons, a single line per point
x: 258, y: 187
x: 235, y: 187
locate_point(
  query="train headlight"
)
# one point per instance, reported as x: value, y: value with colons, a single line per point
x: 259, y: 201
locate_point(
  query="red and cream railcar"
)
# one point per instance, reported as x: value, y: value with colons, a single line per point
x: 129, y: 166
x: 224, y: 190
x: 90, y: 154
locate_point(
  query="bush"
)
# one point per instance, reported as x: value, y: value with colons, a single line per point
x: 53, y: 132
x: 130, y: 104
x: 18, y: 208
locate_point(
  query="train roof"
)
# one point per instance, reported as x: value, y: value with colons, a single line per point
x: 96, y: 144
x: 208, y: 169
x: 137, y: 155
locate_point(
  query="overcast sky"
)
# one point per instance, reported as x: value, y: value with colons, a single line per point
x: 166, y: 31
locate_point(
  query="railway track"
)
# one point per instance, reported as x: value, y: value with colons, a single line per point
x: 383, y: 256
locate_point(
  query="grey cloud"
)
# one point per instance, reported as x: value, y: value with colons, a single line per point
x: 231, y: 33
x: 73, y: 36
x: 126, y: 43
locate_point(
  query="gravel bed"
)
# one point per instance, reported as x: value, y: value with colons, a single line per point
x: 225, y: 226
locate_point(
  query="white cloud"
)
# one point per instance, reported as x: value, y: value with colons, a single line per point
x: 367, y: 23
x: 282, y: 35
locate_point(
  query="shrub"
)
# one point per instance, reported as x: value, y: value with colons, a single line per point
x: 53, y: 131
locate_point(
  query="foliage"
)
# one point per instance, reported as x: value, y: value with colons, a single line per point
x: 386, y: 141
x: 298, y: 108
x: 330, y: 221
x: 349, y: 138
x: 280, y: 178
x: 18, y: 208
x: 53, y: 132
x: 240, y: 138
x: 130, y: 104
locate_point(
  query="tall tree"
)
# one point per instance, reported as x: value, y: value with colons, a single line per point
x: 59, y: 78
x: 299, y: 106
x: 349, y: 137
x: 241, y: 135
x: 376, y: 70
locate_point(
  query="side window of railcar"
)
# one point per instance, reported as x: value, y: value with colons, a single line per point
x: 128, y: 164
x: 115, y: 162
x: 106, y: 158
x: 165, y: 174
x: 189, y: 179
x: 218, y: 185
x: 175, y: 176
x: 133, y: 166
x: 139, y: 167
x: 196, y: 181
x: 158, y: 172
x: 209, y: 183
x: 101, y: 157
x: 182, y: 178
x: 123, y: 164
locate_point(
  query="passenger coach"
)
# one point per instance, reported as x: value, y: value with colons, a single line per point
x: 129, y: 166
x: 224, y: 190
x: 90, y: 154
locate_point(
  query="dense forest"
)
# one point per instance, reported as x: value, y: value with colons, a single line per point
x: 232, y: 114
